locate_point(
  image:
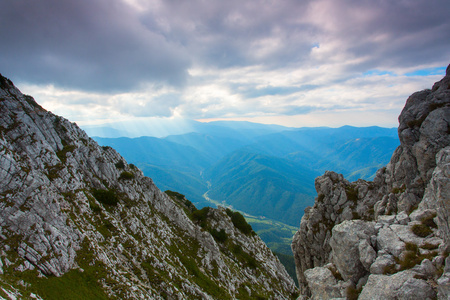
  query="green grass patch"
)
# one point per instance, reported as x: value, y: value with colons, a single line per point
x: 244, y: 257
x: 73, y: 285
x: 413, y: 257
x: 187, y: 255
x: 353, y: 293
x: 62, y: 154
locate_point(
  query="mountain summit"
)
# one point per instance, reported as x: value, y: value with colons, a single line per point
x: 79, y: 222
x: 389, y: 238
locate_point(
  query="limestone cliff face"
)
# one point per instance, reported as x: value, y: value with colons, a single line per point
x: 386, y: 239
x: 76, y: 215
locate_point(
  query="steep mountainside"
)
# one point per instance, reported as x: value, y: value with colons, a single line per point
x: 78, y: 222
x: 390, y: 238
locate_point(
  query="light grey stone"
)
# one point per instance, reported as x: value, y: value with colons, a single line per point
x: 402, y: 218
x: 414, y: 289
x: 425, y: 268
x: 387, y: 239
x: 322, y: 283
x: 396, y: 286
x: 420, y: 214
x: 345, y: 241
x: 381, y: 263
x: 389, y: 219
x: 367, y: 254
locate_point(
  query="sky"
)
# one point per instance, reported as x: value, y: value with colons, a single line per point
x: 288, y: 62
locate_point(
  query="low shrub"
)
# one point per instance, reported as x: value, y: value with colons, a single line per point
x: 411, y: 247
x: 239, y: 222
x: 353, y: 293
x: 429, y: 221
x: 120, y: 164
x: 421, y: 230
x: 174, y: 194
x: 220, y: 236
x: 107, y: 197
x: 62, y: 154
x: 199, y: 216
x: 126, y: 175
x: 95, y: 207
x: 352, y: 193
x: 389, y: 269
x: 409, y: 260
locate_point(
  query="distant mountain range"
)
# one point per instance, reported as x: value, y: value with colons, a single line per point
x: 262, y: 170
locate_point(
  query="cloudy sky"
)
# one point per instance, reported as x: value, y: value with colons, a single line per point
x: 289, y: 62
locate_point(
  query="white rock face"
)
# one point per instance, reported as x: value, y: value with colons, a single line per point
x: 406, y: 207
x: 66, y: 203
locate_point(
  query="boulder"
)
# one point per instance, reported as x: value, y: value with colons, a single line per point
x: 444, y: 281
x: 367, y: 254
x: 382, y: 263
x: 401, y: 285
x: 387, y: 239
x: 345, y: 243
x: 322, y: 283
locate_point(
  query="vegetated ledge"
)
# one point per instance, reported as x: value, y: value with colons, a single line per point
x: 386, y: 239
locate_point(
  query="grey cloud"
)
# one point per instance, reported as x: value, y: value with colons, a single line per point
x: 107, y: 45
x: 93, y: 45
x: 397, y: 34
x: 387, y: 34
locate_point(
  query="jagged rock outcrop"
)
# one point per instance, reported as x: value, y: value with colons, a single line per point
x: 386, y: 239
x: 76, y: 218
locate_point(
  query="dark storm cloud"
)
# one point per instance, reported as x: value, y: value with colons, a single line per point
x: 85, y: 44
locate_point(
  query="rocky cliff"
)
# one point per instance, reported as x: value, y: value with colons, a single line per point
x: 78, y: 222
x: 386, y: 239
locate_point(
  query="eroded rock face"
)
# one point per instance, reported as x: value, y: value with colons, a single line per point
x: 68, y: 204
x: 406, y: 208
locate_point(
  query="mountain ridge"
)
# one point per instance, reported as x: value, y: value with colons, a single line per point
x: 78, y: 220
x: 298, y: 145
x: 388, y: 238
